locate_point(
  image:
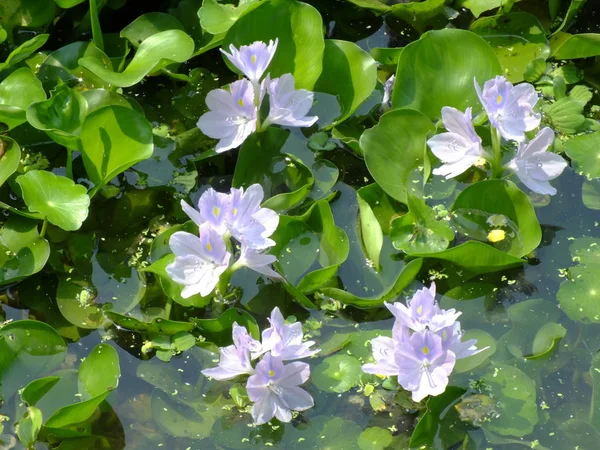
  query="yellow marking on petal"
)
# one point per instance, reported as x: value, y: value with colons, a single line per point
x: 420, y: 309
x: 216, y: 211
x: 209, y: 247
x: 235, y: 210
x: 425, y: 350
x: 241, y: 102
x: 499, y: 99
x: 496, y: 236
x: 253, y: 59
x: 271, y: 373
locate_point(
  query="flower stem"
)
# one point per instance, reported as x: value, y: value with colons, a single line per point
x: 44, y: 226
x: 497, y: 168
x: 20, y: 213
x: 69, y: 163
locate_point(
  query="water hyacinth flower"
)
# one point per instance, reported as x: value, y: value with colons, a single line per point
x: 535, y: 165
x: 426, y: 365
x: 199, y: 261
x: 274, y: 389
x: 252, y: 60
x: 460, y: 147
x: 289, y: 106
x: 235, y: 360
x: 213, y: 208
x: 423, y: 312
x: 509, y: 108
x: 258, y: 261
x: 285, y: 341
x: 232, y: 116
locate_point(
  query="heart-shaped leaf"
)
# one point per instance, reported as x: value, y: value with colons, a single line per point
x: 61, y: 201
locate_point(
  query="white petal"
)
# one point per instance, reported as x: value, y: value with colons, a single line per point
x: 216, y: 125
x: 234, y: 140
x: 295, y: 373
x: 183, y: 243
x: 539, y: 144
x: 264, y: 409
x: 449, y: 147
x: 296, y: 399
x: 192, y: 213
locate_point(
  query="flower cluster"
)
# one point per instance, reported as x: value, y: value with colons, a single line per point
x: 272, y: 386
x: 235, y: 114
x: 425, y: 344
x: 510, y: 110
x: 201, y: 261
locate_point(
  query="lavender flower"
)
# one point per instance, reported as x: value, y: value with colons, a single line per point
x: 451, y: 340
x: 425, y: 366
x: 460, y: 147
x: 288, y: 106
x: 213, y: 208
x: 274, y: 389
x: 258, y: 261
x: 252, y: 60
x: 384, y: 352
x: 247, y: 221
x: 423, y: 312
x: 509, y: 108
x: 235, y: 359
x: 232, y: 116
x: 285, y: 341
x: 535, y: 166
x: 199, y: 261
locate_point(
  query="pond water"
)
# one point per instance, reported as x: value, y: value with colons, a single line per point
x: 536, y: 386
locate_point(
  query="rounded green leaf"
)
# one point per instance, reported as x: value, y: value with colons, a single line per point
x: 28, y: 13
x: 498, y: 201
x: 395, y: 148
x: 518, y: 407
x: 60, y: 116
x: 99, y: 372
x: 17, y: 91
x: 217, y: 18
x: 484, y: 339
x: 575, y: 46
x: 547, y: 338
x: 583, y: 151
x: 374, y: 438
x: 349, y: 73
x: 517, y: 38
x: 310, y: 248
x: 156, y: 52
x: 29, y: 426
x: 61, y: 201
x: 299, y: 28
x: 419, y: 231
x: 148, y: 24
x: 114, y: 138
x: 579, y: 297
x: 22, y: 251
x: 338, y: 373
x: 478, y: 7
x: 29, y: 349
x: 438, y: 70
x: 590, y: 194
x: 10, y: 157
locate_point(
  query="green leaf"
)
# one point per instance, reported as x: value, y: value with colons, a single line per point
x: 484, y: 339
x: 565, y: 115
x: 310, y: 248
x: 482, y: 203
x: 419, y: 231
x: 155, y: 327
x: 458, y: 57
x: 349, y: 73
x: 66, y: 4
x: 75, y: 413
x: 370, y: 230
x: 217, y: 18
x: 546, y: 339
x: 262, y: 159
x: 23, y: 251
x: 574, y: 46
x: 63, y: 64
x: 299, y: 28
x: 34, y: 391
x: 534, y: 70
x: 435, y: 419
x: 517, y: 38
x: 29, y: 426
x: 25, y: 13
x: 149, y: 24
x: 61, y: 201
x: 518, y: 407
x: 583, y: 151
x: 10, y: 157
x: 60, y: 117
x: 590, y: 194
x: 394, y: 150
x: 375, y: 438
x: 218, y: 330
x: 476, y: 258
x: 579, y: 296
x: 17, y: 91
x: 24, y: 50
x: 99, y: 372
x: 478, y: 7
x: 406, y: 276
x: 155, y: 53
x: 114, y: 138
x: 28, y: 349
x: 338, y: 373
